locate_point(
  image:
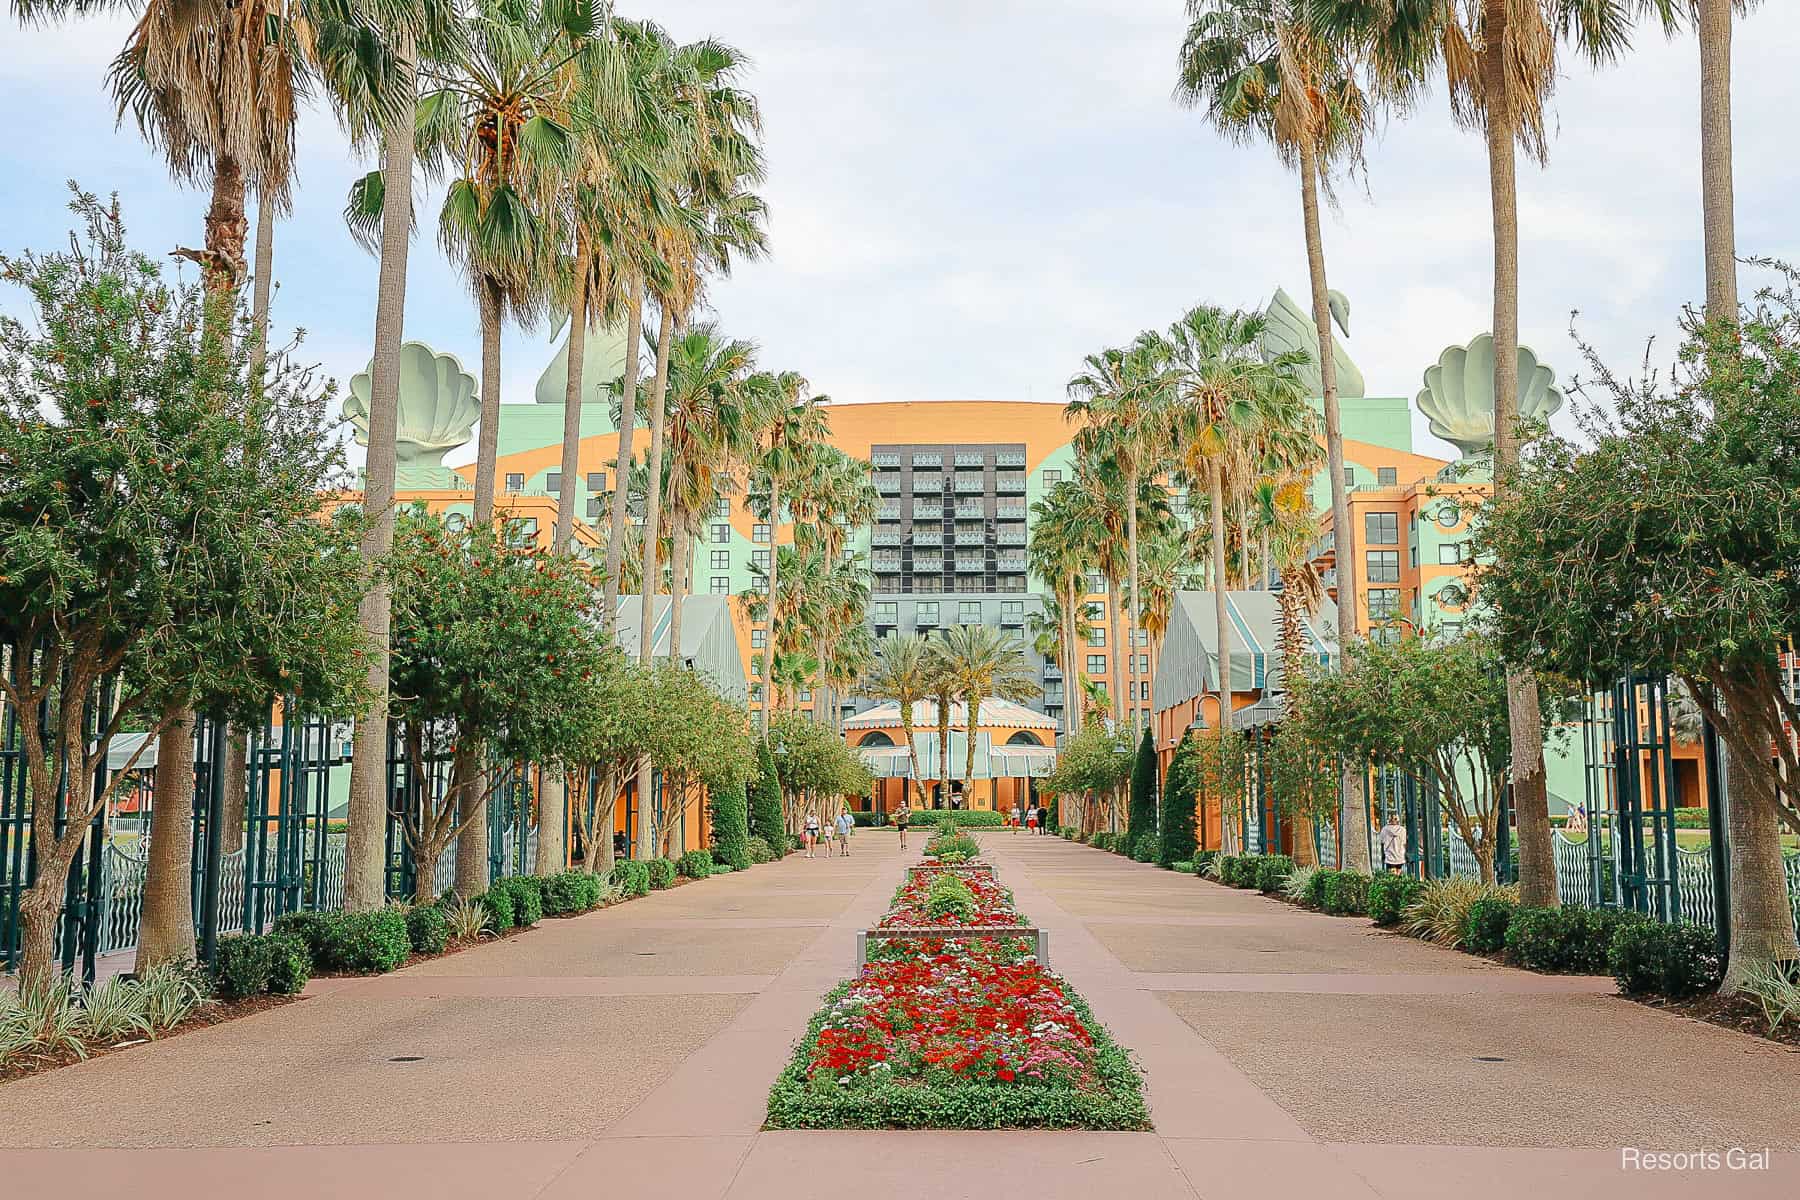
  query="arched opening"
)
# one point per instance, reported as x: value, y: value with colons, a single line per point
x: 1024, y: 738
x: 875, y: 739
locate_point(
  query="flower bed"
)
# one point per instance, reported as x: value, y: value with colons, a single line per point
x: 956, y: 1032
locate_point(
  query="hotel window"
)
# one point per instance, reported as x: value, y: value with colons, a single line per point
x: 759, y: 533
x: 756, y: 691
x: 721, y: 585
x: 553, y: 482
x: 1449, y: 514
x: 1381, y: 529
x: 760, y: 585
x: 721, y: 508
x: 926, y: 612
x: 1143, y: 667
x: 806, y: 695
x: 721, y: 534
x: 721, y: 560
x: 968, y: 612
x: 759, y: 638
x: 1097, y: 636
x: 515, y: 483
x: 1452, y: 628
x: 596, y: 481
x: 594, y: 503
x: 1096, y: 664
x: 1096, y: 611
x: 1140, y: 637
x: 1349, y: 476
x: 1384, y: 566
x: 1386, y: 476
x: 1178, y: 503
x: 1413, y: 555
x: 1096, y: 585
x: 1051, y: 479
x: 1384, y: 604
x: 1450, y: 554
x: 759, y: 558
x: 1013, y: 610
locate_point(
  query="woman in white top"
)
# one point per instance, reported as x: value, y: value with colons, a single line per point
x: 810, y: 832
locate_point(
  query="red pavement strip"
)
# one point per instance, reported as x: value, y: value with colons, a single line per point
x: 697, y: 1134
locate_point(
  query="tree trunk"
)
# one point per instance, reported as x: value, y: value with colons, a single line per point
x: 365, y: 849
x: 227, y: 229
x: 1531, y: 798
x: 571, y: 443
x: 1715, y: 159
x: 653, y: 488
x: 678, y: 577
x: 470, y: 781
x: 615, y: 535
x: 1353, y: 806
x: 1762, y: 921
x: 491, y: 302
x: 166, y: 927
x: 425, y: 861
x: 1215, y: 479
x: 237, y: 771
x: 553, y: 820
x: 768, y: 655
x: 1117, y: 674
x: 972, y: 706
x: 262, y: 286
x: 1131, y: 599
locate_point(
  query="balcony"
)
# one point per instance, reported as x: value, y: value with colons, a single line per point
x: 973, y: 564
x: 1010, y: 458
x: 971, y: 537
x: 1010, y: 537
x: 930, y: 509
x: 1011, y: 562
x: 1012, y: 620
x: 929, y: 564
x: 888, y: 560
x: 974, y: 459
x: 1052, y: 672
x: 1009, y: 583
x: 969, y: 485
x: 1010, y: 482
x: 926, y: 621
x: 888, y: 512
x: 922, y: 461
x: 884, y: 460
x: 932, y: 535
x: 887, y: 483
x: 932, y: 482
x: 976, y: 511
x: 1010, y: 512
x: 887, y: 537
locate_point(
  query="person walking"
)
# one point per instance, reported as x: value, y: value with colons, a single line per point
x: 1393, y: 845
x: 1017, y: 818
x: 1043, y: 820
x: 810, y: 833
x: 902, y: 817
x: 1031, y: 820
x: 845, y: 823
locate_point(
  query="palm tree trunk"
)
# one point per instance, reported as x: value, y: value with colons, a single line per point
x: 491, y: 302
x: 678, y: 578
x: 654, y: 487
x: 1353, y: 805
x: 615, y: 536
x: 1131, y: 613
x: 912, y: 766
x: 1531, y: 798
x: 1715, y: 159
x: 227, y: 229
x: 943, y: 779
x: 262, y: 286
x: 166, y: 929
x: 1215, y: 479
x: 972, y: 705
x: 365, y: 849
x: 571, y: 432
x: 768, y: 655
x: 1117, y: 663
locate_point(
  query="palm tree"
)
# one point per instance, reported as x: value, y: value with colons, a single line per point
x: 1122, y: 399
x: 903, y: 674
x: 943, y: 698
x: 983, y: 662
x: 501, y: 123
x: 1500, y: 63
x: 1058, y: 555
x: 797, y: 425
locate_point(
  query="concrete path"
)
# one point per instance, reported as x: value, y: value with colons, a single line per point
x: 629, y: 1053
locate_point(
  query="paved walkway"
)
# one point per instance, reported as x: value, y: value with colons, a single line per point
x: 629, y: 1053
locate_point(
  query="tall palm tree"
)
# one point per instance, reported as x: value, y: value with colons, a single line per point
x: 797, y: 426
x: 981, y: 662
x: 902, y: 673
x: 501, y: 125
x: 1121, y: 399
x: 1499, y: 59
x: 1058, y: 555
x: 943, y: 699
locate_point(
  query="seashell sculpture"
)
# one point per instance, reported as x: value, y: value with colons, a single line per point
x: 1290, y: 327
x: 1458, y: 398
x: 438, y: 411
x: 602, y: 362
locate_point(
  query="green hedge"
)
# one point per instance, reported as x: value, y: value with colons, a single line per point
x: 1175, y: 840
x: 359, y: 943
x: 571, y: 892
x: 731, y: 826
x: 695, y: 864
x: 1347, y: 893
x: 1315, y: 887
x: 795, y: 1102
x: 426, y: 930
x: 1101, y: 840
x: 1389, y: 895
x: 631, y: 877
x: 766, y: 818
x: 1484, y: 925
x: 1677, y: 961
x: 1570, y: 939
x: 1272, y: 872
x: 499, y: 904
x: 978, y: 818
x: 246, y: 965
x: 527, y: 896
x: 1144, y: 849
x: 760, y: 851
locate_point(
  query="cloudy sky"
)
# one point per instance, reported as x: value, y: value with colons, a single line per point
x: 969, y: 195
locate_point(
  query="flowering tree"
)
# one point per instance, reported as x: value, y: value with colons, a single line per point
x: 1093, y: 762
x: 1668, y: 546
x: 158, y: 528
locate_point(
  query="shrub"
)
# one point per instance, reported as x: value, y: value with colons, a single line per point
x: 1226, y: 866
x: 1389, y: 895
x: 466, y: 920
x: 721, y: 869
x: 1298, y: 882
x: 1677, y: 961
x: 1203, y: 859
x: 242, y: 965
x: 1484, y: 925
x: 1273, y: 872
x: 949, y: 896
x: 528, y: 899
x: 290, y: 964
x: 499, y: 904
x: 358, y: 943
x: 1176, y: 841
x: 570, y: 892
x: 1145, y: 849
x: 631, y: 877
x: 1241, y: 870
x: 730, y: 827
x: 426, y: 930
x: 695, y: 864
x: 761, y: 851
x: 967, y: 818
x: 1101, y: 840
x: 1347, y: 893
x: 1315, y: 887
x: 1437, y: 913
x: 310, y: 928
x: 1182, y: 868
x: 766, y: 818
x: 1567, y: 939
x: 1775, y: 988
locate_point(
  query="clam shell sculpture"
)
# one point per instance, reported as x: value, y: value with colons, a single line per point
x: 438, y: 406
x: 1458, y: 399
